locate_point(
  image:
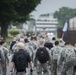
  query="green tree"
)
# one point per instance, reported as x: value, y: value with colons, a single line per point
x: 64, y: 14
x: 15, y: 11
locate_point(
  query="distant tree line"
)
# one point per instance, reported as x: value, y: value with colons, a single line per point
x: 64, y: 14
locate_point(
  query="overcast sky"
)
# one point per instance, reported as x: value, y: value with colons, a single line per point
x: 50, y: 6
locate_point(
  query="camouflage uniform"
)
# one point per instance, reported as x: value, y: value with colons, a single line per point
x: 34, y: 44
x: 29, y: 49
x: 74, y: 68
x: 4, y: 51
x: 55, y: 57
x: 2, y: 62
x: 67, y: 59
x: 41, y: 67
x: 14, y: 48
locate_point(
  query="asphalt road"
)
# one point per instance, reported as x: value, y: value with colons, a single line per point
x: 34, y: 72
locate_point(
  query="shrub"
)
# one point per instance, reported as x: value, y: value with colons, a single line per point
x: 14, y: 32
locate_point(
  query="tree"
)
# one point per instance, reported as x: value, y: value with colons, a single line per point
x: 64, y: 14
x: 15, y: 11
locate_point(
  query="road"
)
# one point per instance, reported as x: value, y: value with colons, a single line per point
x: 34, y: 72
x: 8, y: 69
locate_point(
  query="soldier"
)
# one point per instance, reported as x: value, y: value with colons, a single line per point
x: 14, y: 48
x: 55, y: 56
x: 61, y: 42
x: 29, y: 48
x: 67, y: 59
x: 12, y: 44
x: 41, y: 58
x: 2, y: 62
x: 53, y: 41
x: 74, y: 68
x: 34, y: 43
x: 20, y: 60
x: 4, y: 52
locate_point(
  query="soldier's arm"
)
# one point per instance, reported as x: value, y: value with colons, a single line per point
x: 6, y: 55
x: 31, y: 48
x: 14, y: 47
x: 30, y: 61
x: 49, y: 53
x: 12, y: 63
x: 31, y: 64
x: 11, y: 66
x: 2, y: 58
x: 61, y: 58
x: 35, y: 58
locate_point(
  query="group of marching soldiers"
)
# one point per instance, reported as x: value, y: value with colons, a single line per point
x: 62, y: 55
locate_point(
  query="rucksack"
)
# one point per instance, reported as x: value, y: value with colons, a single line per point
x: 34, y: 45
x: 42, y: 55
x: 70, y: 54
x: 21, y: 61
x: 56, y: 53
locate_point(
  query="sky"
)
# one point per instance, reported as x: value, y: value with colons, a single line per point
x: 50, y: 6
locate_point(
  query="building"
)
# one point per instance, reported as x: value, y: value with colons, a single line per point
x: 46, y: 23
x: 70, y: 34
x: 72, y: 23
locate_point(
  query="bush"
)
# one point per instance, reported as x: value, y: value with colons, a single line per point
x: 14, y: 32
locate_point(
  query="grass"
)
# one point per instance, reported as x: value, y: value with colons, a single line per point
x: 8, y: 40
